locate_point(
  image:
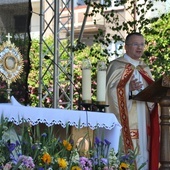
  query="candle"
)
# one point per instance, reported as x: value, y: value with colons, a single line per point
x: 101, y: 82
x: 86, y: 81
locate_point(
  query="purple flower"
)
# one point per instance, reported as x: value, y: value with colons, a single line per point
x: 26, y: 161
x: 104, y: 161
x: 85, y: 163
x: 127, y: 158
x: 10, y: 146
x: 17, y: 143
x: 102, y: 143
x: 107, y: 142
x: 40, y: 168
x: 35, y: 146
x: 97, y: 141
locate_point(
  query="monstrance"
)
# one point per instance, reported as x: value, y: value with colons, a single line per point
x: 11, y: 63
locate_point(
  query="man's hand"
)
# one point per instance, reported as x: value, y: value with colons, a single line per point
x: 135, y: 84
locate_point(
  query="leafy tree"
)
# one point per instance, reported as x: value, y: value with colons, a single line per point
x: 118, y: 23
x: 157, y: 53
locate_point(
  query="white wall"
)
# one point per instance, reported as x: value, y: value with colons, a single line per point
x: 35, y: 19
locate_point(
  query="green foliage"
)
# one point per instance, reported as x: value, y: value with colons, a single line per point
x: 157, y: 53
x: 94, y: 54
x: 4, y: 125
x: 119, y: 23
x: 34, y: 72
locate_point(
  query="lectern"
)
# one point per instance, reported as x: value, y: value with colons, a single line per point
x: 159, y: 92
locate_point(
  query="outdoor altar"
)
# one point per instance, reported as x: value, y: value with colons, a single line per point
x: 35, y: 137
x: 105, y: 123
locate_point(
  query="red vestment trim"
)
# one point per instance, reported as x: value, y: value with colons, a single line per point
x: 123, y: 108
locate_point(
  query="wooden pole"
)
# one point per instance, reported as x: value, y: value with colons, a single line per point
x: 165, y: 133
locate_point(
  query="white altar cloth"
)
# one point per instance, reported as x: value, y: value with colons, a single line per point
x: 107, y: 123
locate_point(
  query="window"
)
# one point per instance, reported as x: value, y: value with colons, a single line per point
x: 113, y: 4
x: 79, y: 2
x: 68, y: 2
x: 20, y: 23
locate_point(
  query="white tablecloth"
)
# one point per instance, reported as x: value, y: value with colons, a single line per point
x: 107, y: 123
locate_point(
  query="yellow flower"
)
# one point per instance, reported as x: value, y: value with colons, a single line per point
x: 123, y: 165
x: 46, y: 158
x: 76, y: 168
x: 67, y: 145
x: 62, y: 163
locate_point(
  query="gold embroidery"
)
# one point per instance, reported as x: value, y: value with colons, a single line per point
x: 123, y: 107
x: 134, y: 134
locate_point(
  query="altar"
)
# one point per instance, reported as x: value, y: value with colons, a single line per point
x: 104, y: 123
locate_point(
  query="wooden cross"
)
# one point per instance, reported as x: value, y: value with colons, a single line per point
x: 9, y: 37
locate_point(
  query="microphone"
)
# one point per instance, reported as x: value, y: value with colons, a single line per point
x: 70, y: 75
x: 47, y: 57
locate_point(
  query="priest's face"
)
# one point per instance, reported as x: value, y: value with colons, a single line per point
x: 135, y: 47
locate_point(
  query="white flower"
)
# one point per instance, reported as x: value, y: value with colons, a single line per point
x: 50, y: 168
x: 113, y: 160
x: 75, y: 156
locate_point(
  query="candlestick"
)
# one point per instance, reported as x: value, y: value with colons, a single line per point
x: 101, y: 82
x: 86, y: 81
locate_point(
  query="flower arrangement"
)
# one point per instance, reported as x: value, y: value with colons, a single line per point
x: 28, y: 149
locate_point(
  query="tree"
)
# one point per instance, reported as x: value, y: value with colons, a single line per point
x: 133, y: 19
x: 155, y: 30
x: 157, y: 53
